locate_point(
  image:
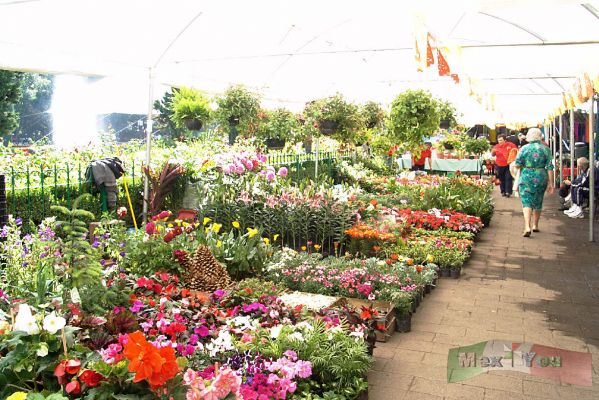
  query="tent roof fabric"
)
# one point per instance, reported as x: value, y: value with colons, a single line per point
x: 527, y: 53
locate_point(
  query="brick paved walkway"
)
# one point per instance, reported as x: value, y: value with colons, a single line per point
x: 543, y: 290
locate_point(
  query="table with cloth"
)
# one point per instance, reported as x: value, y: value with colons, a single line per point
x: 453, y: 165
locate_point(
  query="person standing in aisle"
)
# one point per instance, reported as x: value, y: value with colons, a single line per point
x: 536, y: 177
x: 501, y: 151
x: 418, y: 164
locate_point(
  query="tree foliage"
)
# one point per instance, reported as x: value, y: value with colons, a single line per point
x: 10, y: 96
x: 35, y: 121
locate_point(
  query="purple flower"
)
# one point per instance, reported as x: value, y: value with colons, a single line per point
x: 95, y: 244
x: 137, y: 305
x: 4, y: 231
x: 122, y: 244
x: 202, y: 331
x: 102, y: 262
x: 218, y: 293
x: 283, y: 172
x: 19, y: 221
x: 106, y: 236
x: 122, y: 254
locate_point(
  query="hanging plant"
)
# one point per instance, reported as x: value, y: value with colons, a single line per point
x: 372, y: 114
x: 191, y: 109
x: 414, y: 116
x: 333, y: 116
x: 238, y: 106
x: 277, y: 127
x: 447, y: 114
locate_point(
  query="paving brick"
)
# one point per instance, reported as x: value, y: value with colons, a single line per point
x: 456, y: 391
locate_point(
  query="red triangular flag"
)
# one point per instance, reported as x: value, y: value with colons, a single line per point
x: 430, y: 60
x: 442, y: 63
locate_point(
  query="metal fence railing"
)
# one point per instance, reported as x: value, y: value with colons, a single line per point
x: 31, y: 191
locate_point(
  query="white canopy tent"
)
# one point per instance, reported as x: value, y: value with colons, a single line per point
x: 526, y: 53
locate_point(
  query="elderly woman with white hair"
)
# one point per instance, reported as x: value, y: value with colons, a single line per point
x: 536, y: 177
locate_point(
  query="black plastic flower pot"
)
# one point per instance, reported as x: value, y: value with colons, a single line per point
x: 414, y: 306
x: 455, y: 273
x: 327, y: 127
x: 193, y: 124
x: 428, y: 288
x: 445, y: 273
x: 364, y: 395
x: 275, y: 143
x: 403, y: 322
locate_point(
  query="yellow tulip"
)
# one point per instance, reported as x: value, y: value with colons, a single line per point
x: 216, y: 227
x: 275, y: 237
x: 266, y: 241
x: 304, y: 248
x: 317, y: 247
x: 430, y: 258
x: 253, y: 232
x: 206, y: 220
x: 219, y: 243
x: 236, y: 224
x: 170, y: 225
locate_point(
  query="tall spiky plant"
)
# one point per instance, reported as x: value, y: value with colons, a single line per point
x: 162, y: 184
x: 82, y: 269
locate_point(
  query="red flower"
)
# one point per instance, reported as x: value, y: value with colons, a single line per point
x: 151, y: 228
x: 91, y: 378
x: 73, y: 387
x: 73, y: 366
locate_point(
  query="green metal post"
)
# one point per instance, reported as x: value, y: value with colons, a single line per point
x: 55, y: 183
x: 43, y: 194
x: 12, y: 188
x: 68, y: 186
x: 133, y: 174
x: 28, y: 193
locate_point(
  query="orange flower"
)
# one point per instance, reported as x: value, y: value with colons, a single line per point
x: 419, y: 268
x: 394, y: 257
x: 409, y: 261
x: 376, y: 248
x: 374, y: 202
x: 149, y: 363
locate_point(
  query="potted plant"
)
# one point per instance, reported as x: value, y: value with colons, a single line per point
x: 372, y: 114
x: 402, y: 302
x: 238, y: 107
x: 275, y: 127
x: 477, y: 146
x: 333, y: 116
x: 414, y: 115
x: 191, y: 109
x: 447, y: 114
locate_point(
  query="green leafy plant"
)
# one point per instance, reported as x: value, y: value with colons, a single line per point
x: 413, y: 116
x: 477, y: 146
x: 447, y: 113
x: 333, y: 116
x: 190, y: 105
x: 238, y: 105
x: 372, y: 114
x: 279, y: 124
x: 82, y: 267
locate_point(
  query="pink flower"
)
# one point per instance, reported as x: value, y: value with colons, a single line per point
x: 283, y: 172
x: 151, y: 228
x: 270, y: 176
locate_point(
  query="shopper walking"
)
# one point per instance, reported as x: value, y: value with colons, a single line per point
x: 501, y: 151
x: 536, y: 177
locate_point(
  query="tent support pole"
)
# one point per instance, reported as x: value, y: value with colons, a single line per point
x: 592, y: 170
x: 146, y: 198
x: 561, y: 149
x: 572, y: 146
x: 316, y: 157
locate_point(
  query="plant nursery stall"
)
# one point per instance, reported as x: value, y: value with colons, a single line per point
x: 248, y: 272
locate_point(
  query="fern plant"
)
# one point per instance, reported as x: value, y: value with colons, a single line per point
x: 82, y: 268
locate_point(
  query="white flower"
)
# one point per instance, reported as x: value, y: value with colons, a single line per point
x: 275, y: 331
x: 297, y: 336
x: 42, y: 349
x: 25, y: 321
x: 53, y: 323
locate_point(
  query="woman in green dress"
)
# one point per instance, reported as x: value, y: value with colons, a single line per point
x: 536, y: 177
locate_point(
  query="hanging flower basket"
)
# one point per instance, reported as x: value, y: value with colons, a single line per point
x: 192, y: 124
x: 275, y: 143
x: 328, y: 127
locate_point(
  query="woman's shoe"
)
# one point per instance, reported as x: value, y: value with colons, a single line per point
x: 526, y: 234
x: 535, y: 229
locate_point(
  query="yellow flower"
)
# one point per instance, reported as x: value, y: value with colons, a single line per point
x: 266, y: 241
x: 216, y: 227
x: 185, y: 224
x: 317, y: 247
x: 206, y: 230
x: 178, y: 222
x: 275, y: 237
x: 170, y: 225
x: 304, y: 248
x: 219, y: 243
x: 236, y: 224
x: 430, y: 258
x: 206, y: 220
x: 196, y: 224
x: 253, y: 232
x: 17, y: 396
